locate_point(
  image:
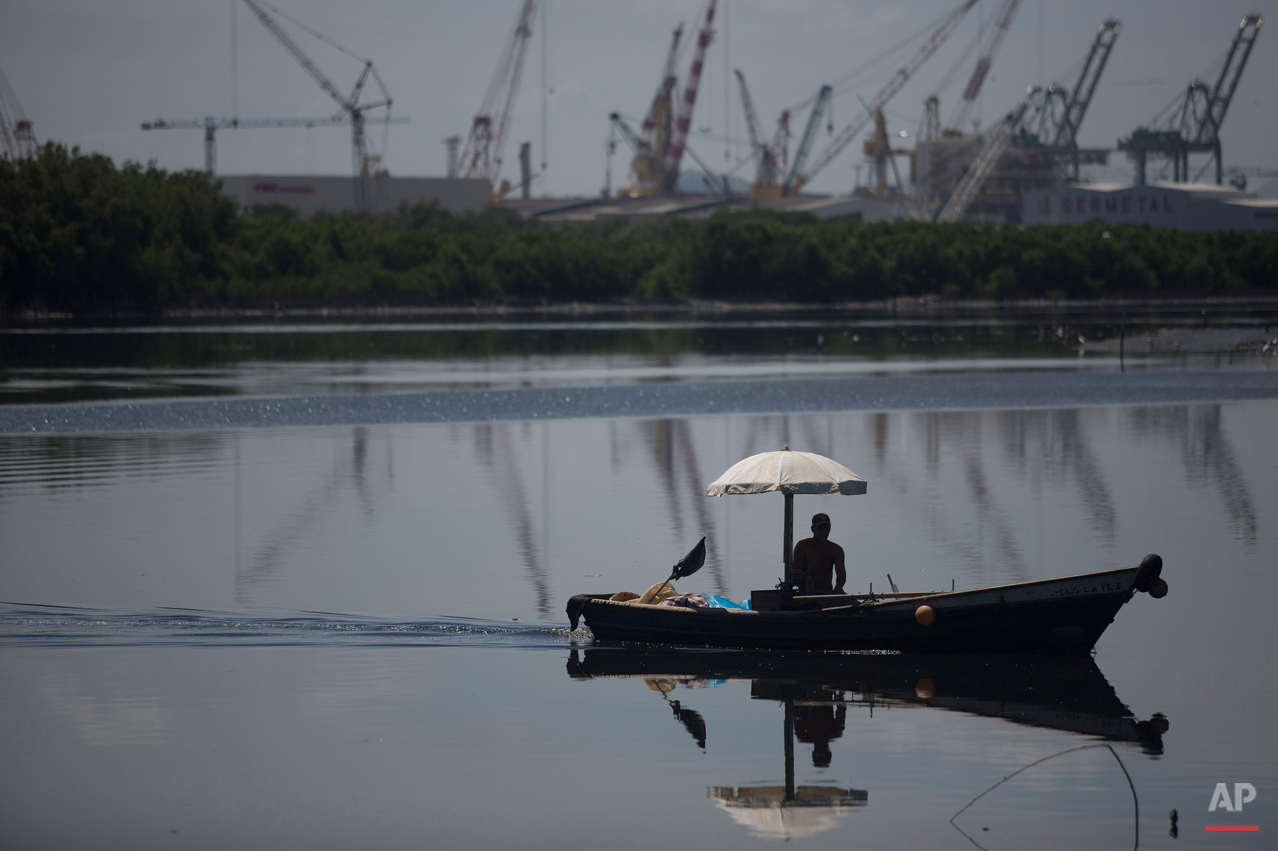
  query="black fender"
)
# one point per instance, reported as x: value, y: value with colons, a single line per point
x: 1151, y: 567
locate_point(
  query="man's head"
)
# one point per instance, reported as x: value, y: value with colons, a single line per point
x: 821, y: 526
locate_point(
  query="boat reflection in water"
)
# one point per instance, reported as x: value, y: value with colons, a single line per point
x: 816, y: 689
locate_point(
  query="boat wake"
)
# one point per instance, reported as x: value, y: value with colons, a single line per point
x: 26, y: 625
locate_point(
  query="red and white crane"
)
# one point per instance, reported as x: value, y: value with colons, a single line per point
x: 481, y: 155
x: 845, y: 136
x: 683, y: 111
x: 17, y: 133
x: 1002, y: 23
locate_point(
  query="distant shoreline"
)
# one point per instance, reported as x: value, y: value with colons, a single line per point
x: 903, y: 306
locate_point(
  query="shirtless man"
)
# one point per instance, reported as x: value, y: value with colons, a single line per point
x: 816, y: 557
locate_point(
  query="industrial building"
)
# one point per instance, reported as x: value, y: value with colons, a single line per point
x: 1180, y: 206
x: 384, y: 194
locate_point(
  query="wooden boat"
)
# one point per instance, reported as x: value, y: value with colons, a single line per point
x: 1066, y: 615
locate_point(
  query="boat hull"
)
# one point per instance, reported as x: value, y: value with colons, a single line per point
x: 1066, y: 615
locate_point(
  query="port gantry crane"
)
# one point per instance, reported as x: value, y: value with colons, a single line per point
x: 481, y: 155
x: 1044, y: 132
x: 17, y: 131
x: 1194, y: 125
x: 350, y: 104
x: 799, y: 177
x: 1058, y: 113
x: 210, y: 125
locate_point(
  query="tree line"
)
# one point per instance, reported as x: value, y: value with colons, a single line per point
x: 79, y: 234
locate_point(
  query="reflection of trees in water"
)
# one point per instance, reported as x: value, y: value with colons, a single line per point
x: 1198, y: 433
x: 494, y: 450
x: 675, y: 452
x: 349, y: 473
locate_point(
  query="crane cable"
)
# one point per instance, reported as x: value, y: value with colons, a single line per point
x: 301, y: 26
x: 844, y: 82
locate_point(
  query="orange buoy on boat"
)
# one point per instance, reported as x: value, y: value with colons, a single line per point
x: 925, y: 615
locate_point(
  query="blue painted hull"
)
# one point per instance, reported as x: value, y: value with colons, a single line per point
x: 1056, y: 616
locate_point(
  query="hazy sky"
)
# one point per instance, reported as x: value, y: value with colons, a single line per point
x: 90, y: 71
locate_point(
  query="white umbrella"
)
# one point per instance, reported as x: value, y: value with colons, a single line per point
x: 768, y: 810
x: 790, y: 473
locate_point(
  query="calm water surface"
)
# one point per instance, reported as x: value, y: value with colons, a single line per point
x: 353, y: 636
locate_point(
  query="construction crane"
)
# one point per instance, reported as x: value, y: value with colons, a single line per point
x: 799, y: 178
x: 350, y: 104
x: 878, y: 148
x: 1002, y: 23
x: 658, y: 124
x: 1043, y: 144
x: 823, y: 98
x: 996, y: 143
x: 648, y: 145
x: 770, y: 156
x: 1194, y: 125
x: 683, y: 110
x: 658, y: 146
x: 211, y: 125
x: 17, y: 132
x: 481, y: 155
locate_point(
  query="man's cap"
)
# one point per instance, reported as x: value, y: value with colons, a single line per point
x: 820, y: 520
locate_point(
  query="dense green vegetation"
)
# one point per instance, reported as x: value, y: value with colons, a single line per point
x: 78, y: 234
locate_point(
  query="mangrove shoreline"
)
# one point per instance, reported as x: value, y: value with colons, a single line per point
x: 80, y: 237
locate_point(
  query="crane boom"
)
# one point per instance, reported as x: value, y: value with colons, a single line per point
x: 845, y: 136
x: 683, y: 113
x: 781, y: 140
x: 17, y: 133
x: 995, y: 144
x: 810, y: 132
x: 752, y: 123
x: 296, y: 52
x: 636, y: 142
x: 1081, y: 96
x: 1227, y: 82
x: 667, y: 84
x: 766, y: 168
x: 211, y: 125
x: 350, y: 104
x: 1002, y: 23
x: 481, y: 155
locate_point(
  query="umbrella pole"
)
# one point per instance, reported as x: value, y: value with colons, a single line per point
x: 789, y: 747
x: 788, y: 558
